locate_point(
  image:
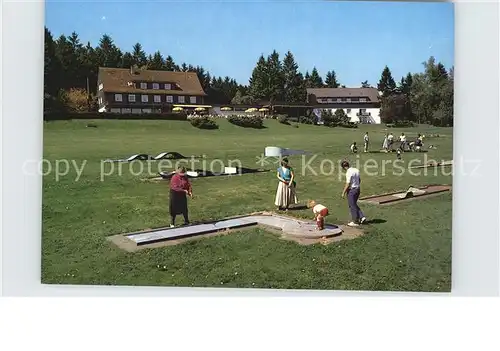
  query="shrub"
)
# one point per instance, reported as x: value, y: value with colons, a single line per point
x: 283, y: 119
x: 246, y: 121
x: 308, y: 119
x: 203, y: 122
x: 348, y: 125
x: 404, y: 124
x: 340, y: 116
x: 62, y: 115
x: 337, y: 119
x: 328, y: 118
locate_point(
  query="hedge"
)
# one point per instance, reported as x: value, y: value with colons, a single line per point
x: 64, y: 116
x: 400, y: 124
x: 203, y: 122
x: 308, y: 119
x: 283, y: 119
x: 246, y: 121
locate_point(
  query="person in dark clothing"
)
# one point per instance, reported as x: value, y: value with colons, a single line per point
x: 180, y: 189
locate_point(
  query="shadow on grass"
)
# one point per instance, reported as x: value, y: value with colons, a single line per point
x: 376, y: 221
x: 297, y: 208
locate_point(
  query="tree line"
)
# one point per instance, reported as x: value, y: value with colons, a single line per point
x: 71, y: 66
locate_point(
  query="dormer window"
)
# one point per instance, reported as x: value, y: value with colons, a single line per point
x: 144, y: 85
x: 362, y: 99
x: 168, y: 86
x: 156, y: 86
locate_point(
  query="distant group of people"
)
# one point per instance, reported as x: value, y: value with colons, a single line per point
x: 388, y: 144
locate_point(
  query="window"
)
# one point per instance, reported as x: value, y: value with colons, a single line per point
x: 115, y: 110
x: 156, y: 86
x: 157, y: 98
x: 137, y: 110
x: 118, y: 97
x: 131, y: 98
x: 348, y: 99
x: 170, y: 98
x: 168, y: 86
x: 146, y: 110
x: 144, y: 85
x: 330, y: 100
x: 339, y: 100
x: 101, y: 86
x: 181, y: 99
x: 126, y: 110
x: 362, y: 99
x: 144, y: 98
x: 192, y: 99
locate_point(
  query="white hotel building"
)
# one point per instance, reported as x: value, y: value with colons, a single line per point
x: 362, y: 105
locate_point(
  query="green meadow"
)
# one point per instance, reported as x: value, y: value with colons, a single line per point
x: 406, y: 247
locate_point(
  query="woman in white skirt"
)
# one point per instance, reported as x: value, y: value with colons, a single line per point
x: 285, y: 195
x: 385, y: 144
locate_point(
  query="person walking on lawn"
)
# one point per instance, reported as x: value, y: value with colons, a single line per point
x: 352, y: 190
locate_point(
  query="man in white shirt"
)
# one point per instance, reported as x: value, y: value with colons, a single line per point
x: 352, y: 190
x: 390, y: 140
x: 366, y: 140
x: 402, y: 140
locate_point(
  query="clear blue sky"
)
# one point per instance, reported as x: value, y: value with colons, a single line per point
x: 356, y: 39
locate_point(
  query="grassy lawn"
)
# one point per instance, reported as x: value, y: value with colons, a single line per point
x: 408, y: 249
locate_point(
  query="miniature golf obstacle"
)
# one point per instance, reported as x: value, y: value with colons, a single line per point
x: 171, y: 155
x: 274, y: 151
x: 137, y: 157
x: 228, y: 171
x: 411, y: 193
x: 290, y: 227
x: 435, y: 164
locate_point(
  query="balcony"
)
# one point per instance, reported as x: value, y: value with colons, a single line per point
x: 364, y: 114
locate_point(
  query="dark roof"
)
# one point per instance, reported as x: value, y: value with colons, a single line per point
x: 115, y: 80
x: 370, y: 93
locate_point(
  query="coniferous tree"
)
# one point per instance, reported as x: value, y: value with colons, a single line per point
x: 156, y: 62
x: 365, y: 84
x: 127, y: 60
x: 331, y: 80
x: 108, y: 54
x: 275, y: 78
x: 170, y: 64
x: 139, y: 56
x: 293, y: 80
x: 257, y: 80
x: 386, y: 85
x: 52, y: 72
x: 315, y: 80
x: 307, y: 80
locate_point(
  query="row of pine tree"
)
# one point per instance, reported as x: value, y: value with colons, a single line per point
x: 425, y: 97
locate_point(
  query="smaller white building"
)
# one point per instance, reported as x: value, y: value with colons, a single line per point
x: 362, y: 105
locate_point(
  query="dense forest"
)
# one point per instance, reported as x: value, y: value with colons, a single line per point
x: 71, y: 73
